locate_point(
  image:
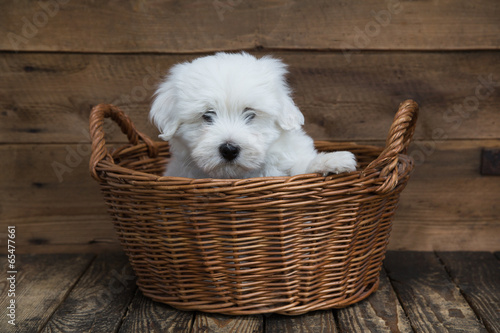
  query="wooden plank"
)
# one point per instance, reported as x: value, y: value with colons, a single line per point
x: 201, y: 26
x: 144, y: 315
x: 46, y: 98
x: 447, y: 204
x: 477, y: 274
x: 431, y: 301
x: 393, y: 25
x: 99, y: 300
x: 420, y: 274
x: 312, y: 322
x: 52, y: 211
x: 186, y: 26
x: 381, y: 312
x: 41, y: 284
x: 216, y: 323
x: 54, y: 110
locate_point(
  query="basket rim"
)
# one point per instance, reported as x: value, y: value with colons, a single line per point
x: 359, y: 180
x: 321, y: 143
x: 398, y: 140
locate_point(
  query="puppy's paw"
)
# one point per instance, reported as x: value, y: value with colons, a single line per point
x: 337, y: 162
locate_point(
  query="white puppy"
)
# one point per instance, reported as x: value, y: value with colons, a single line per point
x: 231, y: 116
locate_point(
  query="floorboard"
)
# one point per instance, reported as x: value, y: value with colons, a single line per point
x: 477, y: 274
x: 100, y: 299
x: 42, y: 283
x: 216, y: 323
x: 313, y: 322
x: 418, y: 292
x: 429, y: 297
x: 381, y: 312
x: 145, y: 315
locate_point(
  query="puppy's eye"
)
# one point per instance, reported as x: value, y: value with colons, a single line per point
x: 249, y: 114
x: 209, y: 116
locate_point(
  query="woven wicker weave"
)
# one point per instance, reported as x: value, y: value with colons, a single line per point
x: 285, y: 245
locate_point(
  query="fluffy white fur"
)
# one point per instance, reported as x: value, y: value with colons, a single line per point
x: 231, y: 116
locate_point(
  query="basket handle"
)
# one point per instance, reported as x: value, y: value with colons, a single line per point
x: 99, y: 150
x: 398, y: 140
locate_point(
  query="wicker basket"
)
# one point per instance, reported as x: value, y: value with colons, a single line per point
x: 285, y: 245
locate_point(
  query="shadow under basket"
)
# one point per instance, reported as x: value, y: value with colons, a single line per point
x: 285, y: 245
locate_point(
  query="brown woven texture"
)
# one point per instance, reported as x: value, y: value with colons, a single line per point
x: 285, y: 245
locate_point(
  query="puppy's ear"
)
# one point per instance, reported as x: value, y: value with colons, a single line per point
x: 290, y: 117
x: 163, y: 110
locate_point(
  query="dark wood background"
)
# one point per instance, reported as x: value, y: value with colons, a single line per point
x: 351, y: 64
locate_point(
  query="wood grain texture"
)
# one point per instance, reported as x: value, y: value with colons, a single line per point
x: 200, y: 26
x: 313, y: 322
x: 42, y: 283
x: 41, y: 200
x: 144, y: 315
x: 47, y: 98
x: 447, y: 203
x: 346, y: 95
x: 100, y: 298
x: 428, y: 286
x: 216, y: 323
x: 477, y: 274
x: 431, y: 300
x: 381, y: 312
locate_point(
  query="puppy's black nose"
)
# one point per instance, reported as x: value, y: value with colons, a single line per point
x: 229, y: 151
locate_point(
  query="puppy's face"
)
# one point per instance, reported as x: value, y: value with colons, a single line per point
x: 228, y: 142
x: 226, y: 111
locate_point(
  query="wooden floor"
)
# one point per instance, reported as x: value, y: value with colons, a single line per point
x: 419, y: 292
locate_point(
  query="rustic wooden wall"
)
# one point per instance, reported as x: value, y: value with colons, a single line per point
x: 351, y: 64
